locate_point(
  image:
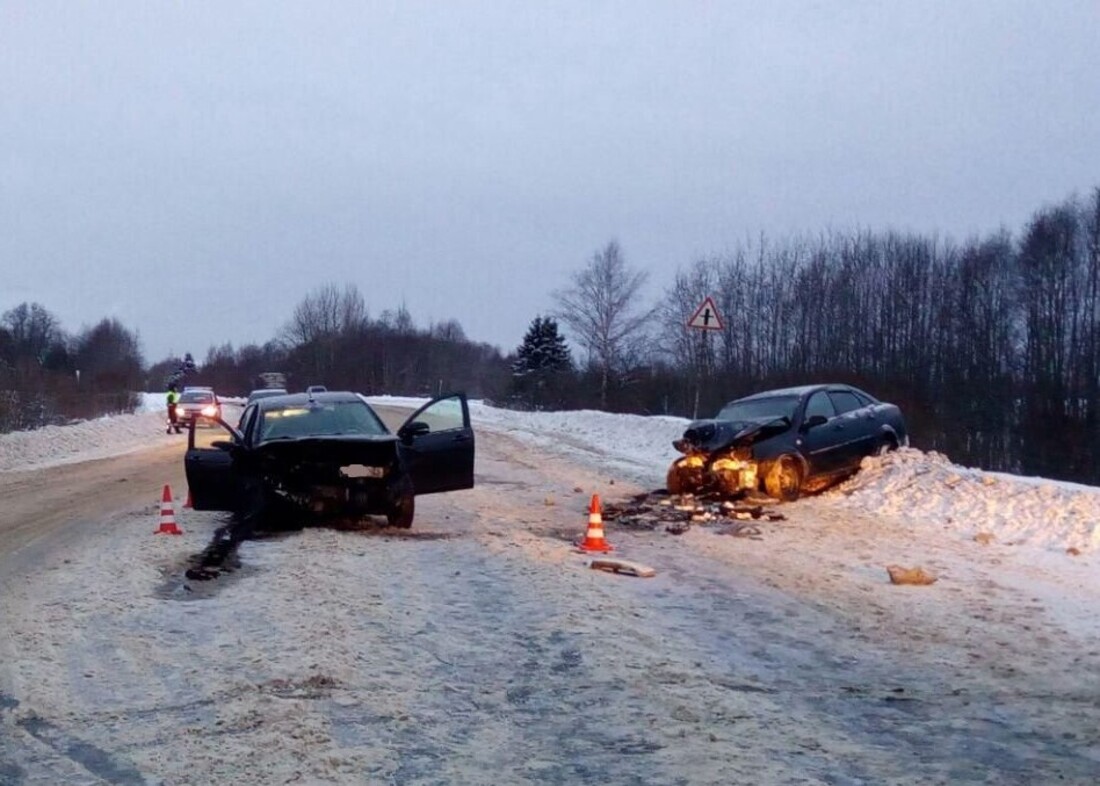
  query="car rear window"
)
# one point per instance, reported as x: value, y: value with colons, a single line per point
x: 320, y: 420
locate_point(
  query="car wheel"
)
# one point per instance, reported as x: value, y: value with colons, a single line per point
x: 784, y: 479
x: 401, y: 515
x: 886, y: 446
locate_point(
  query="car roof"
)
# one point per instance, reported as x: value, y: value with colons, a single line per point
x: 805, y: 390
x: 300, y: 399
x: 800, y: 391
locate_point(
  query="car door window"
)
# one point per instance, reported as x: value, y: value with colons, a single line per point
x: 247, y: 419
x: 844, y: 401
x: 443, y: 415
x: 819, y: 404
x: 864, y: 399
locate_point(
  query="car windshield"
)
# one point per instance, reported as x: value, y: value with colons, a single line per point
x: 197, y: 397
x: 320, y: 419
x: 758, y: 408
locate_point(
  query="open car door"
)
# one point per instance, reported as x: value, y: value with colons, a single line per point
x: 211, y: 477
x: 436, y: 445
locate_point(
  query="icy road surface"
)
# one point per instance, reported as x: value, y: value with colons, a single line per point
x: 479, y: 648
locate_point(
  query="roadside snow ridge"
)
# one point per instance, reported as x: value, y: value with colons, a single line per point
x: 927, y: 490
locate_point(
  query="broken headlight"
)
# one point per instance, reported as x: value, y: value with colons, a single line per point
x: 734, y: 474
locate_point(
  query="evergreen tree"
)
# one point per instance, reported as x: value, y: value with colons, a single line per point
x: 542, y: 366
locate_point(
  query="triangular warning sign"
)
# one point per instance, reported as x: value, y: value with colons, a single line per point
x: 706, y: 317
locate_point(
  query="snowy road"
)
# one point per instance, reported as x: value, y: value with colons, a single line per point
x: 478, y: 648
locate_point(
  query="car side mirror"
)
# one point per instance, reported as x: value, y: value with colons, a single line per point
x: 814, y: 421
x: 411, y: 431
x: 222, y: 444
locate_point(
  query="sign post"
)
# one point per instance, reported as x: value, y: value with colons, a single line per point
x: 706, y: 319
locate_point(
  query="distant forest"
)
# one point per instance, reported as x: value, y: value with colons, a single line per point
x: 991, y: 346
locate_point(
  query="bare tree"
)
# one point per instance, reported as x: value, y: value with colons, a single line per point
x: 320, y: 321
x: 448, y: 330
x: 33, y: 329
x: 601, y: 309
x: 326, y: 313
x: 109, y: 354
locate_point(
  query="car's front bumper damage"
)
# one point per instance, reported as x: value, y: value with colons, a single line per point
x: 334, y: 478
x: 728, y: 474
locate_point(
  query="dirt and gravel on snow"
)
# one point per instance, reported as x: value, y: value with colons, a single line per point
x: 479, y: 647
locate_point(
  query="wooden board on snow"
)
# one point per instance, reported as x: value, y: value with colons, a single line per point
x: 614, y: 565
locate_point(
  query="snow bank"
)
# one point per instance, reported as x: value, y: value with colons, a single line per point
x: 922, y: 489
x: 90, y: 439
x: 928, y: 490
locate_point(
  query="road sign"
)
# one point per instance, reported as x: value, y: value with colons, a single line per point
x: 706, y: 317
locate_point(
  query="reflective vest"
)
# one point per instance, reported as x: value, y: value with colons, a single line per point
x: 173, y: 397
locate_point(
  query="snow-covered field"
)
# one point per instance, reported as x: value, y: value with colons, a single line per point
x: 924, y: 489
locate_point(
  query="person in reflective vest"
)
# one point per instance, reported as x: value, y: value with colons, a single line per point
x: 173, y: 417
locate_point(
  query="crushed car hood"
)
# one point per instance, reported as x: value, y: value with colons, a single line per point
x: 711, y: 435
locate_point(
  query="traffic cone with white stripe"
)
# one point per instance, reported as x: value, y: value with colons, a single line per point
x: 167, y: 515
x: 593, y: 538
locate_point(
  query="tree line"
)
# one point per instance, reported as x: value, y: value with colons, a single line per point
x: 991, y: 345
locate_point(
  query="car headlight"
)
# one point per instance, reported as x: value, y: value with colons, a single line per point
x: 209, y: 411
x: 691, y: 462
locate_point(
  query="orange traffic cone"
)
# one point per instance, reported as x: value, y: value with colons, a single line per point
x: 593, y: 538
x: 167, y: 515
x: 187, y: 502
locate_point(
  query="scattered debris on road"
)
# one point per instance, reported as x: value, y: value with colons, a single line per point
x: 677, y: 513
x: 622, y: 566
x: 915, y: 576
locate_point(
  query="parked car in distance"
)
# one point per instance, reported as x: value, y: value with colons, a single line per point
x: 329, y: 455
x: 316, y: 389
x: 255, y: 395
x: 200, y: 405
x: 785, y: 442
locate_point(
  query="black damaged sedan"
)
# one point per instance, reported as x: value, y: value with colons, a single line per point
x: 329, y: 455
x: 785, y: 442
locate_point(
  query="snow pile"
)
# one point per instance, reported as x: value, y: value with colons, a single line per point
x: 87, y: 440
x: 928, y: 490
x: 84, y: 441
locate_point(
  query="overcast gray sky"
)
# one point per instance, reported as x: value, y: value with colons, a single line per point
x: 195, y: 168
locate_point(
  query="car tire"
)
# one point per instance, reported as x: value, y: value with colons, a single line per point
x: 403, y: 511
x: 784, y: 479
x: 887, y: 445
